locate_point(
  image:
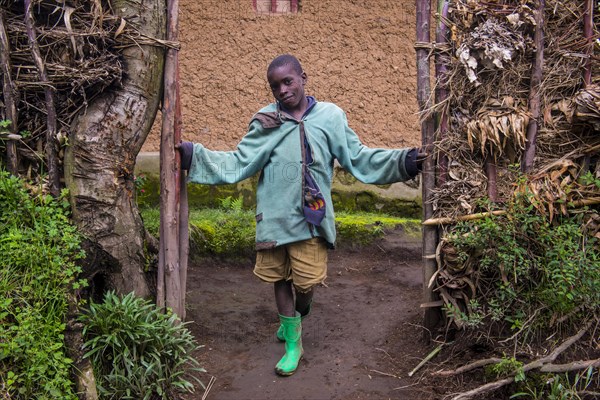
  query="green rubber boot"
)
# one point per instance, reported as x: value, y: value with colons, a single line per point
x: 292, y: 333
x: 279, y: 333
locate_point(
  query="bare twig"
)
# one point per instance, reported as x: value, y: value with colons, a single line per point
x: 488, y: 387
x: 10, y: 94
x: 384, y: 373
x: 534, y: 95
x: 468, y: 367
x: 588, y: 31
x: 469, y: 217
x: 208, y: 387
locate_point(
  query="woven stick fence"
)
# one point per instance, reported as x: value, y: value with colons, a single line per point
x: 517, y: 84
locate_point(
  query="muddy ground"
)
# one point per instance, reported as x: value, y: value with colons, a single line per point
x: 360, y: 342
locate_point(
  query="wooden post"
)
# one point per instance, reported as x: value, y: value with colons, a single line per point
x: 9, y: 92
x: 441, y: 93
x: 169, y: 174
x: 184, y: 234
x: 430, y: 236
x: 534, y: 92
x: 588, y: 31
x: 492, y: 177
x: 51, y: 123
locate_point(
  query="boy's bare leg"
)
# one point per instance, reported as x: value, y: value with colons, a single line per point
x: 303, y: 301
x: 284, y: 298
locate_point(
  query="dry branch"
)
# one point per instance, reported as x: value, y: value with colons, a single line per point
x: 535, y: 95
x: 441, y: 92
x: 470, y: 217
x: 9, y: 92
x: 588, y: 31
x: 572, y: 366
x: 488, y: 387
x: 51, y: 123
x: 468, y: 367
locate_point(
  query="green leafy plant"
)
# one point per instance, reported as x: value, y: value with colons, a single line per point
x: 473, y: 317
x: 508, y: 366
x: 234, y: 205
x: 528, y: 264
x: 588, y: 179
x: 138, y: 352
x: 558, y: 386
x: 39, y: 249
x: 139, y: 181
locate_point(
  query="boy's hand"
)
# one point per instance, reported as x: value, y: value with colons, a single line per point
x: 186, y: 150
x: 422, y: 154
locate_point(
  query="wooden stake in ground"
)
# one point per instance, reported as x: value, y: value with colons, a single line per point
x: 430, y: 235
x: 535, y: 89
x: 170, y: 178
x: 492, y: 176
x: 51, y: 123
x: 184, y: 233
x: 588, y: 31
x: 441, y: 90
x: 9, y: 92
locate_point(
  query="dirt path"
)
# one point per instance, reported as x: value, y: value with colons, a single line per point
x: 360, y: 340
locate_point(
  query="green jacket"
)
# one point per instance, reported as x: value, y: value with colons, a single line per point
x: 272, y: 147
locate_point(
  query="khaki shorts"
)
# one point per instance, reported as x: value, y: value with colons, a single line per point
x: 304, y: 263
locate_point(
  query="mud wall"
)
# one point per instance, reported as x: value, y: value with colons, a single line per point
x: 357, y: 54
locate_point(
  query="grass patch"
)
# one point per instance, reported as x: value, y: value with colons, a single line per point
x: 230, y: 230
x: 363, y: 228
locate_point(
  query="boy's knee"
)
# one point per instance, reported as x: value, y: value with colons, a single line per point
x: 304, y: 288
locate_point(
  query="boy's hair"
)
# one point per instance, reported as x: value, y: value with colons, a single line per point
x: 285, y: 59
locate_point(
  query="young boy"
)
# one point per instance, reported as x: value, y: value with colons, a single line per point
x: 292, y: 143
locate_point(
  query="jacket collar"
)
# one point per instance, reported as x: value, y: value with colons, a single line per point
x: 273, y: 119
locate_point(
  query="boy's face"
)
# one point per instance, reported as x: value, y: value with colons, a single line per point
x: 288, y: 86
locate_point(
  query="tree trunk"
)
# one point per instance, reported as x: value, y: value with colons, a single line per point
x: 104, y: 141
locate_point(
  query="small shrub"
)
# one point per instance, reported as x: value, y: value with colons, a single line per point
x: 528, y: 264
x: 137, y: 351
x: 507, y: 367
